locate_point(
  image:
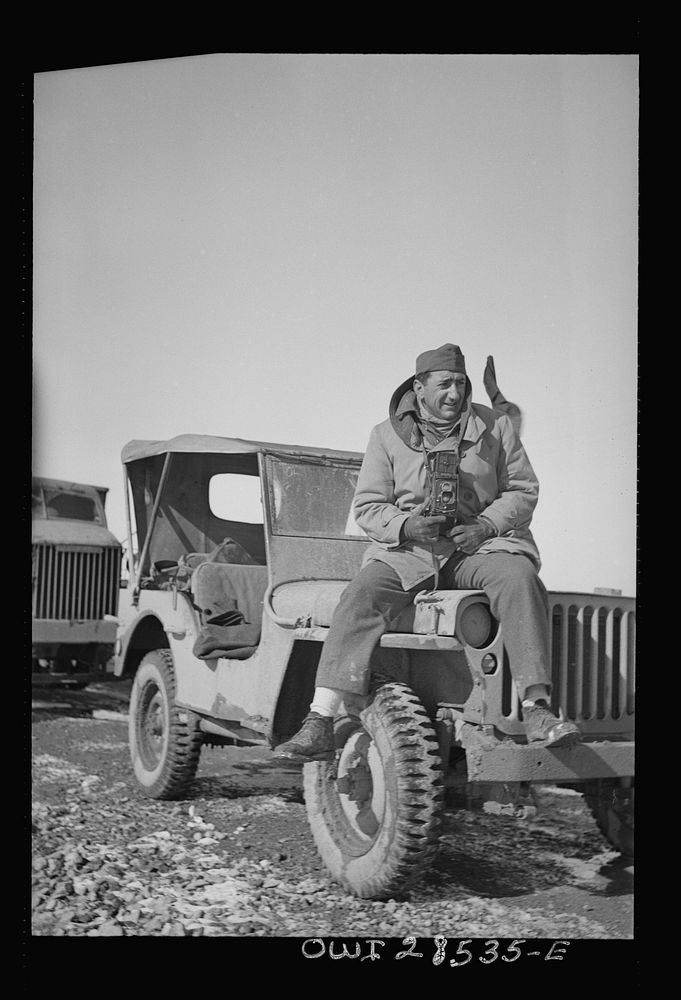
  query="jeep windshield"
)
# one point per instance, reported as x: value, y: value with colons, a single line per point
x: 312, y: 499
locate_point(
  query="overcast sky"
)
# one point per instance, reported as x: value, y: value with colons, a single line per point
x: 258, y: 246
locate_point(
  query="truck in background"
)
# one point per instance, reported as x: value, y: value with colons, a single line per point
x: 75, y: 581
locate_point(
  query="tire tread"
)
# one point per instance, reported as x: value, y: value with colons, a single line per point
x: 184, y: 740
x: 415, y: 840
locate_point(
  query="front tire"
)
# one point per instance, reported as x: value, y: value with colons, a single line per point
x: 375, y: 811
x: 165, y: 744
x: 611, y: 802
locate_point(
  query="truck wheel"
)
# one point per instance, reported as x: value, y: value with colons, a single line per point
x: 375, y: 810
x: 165, y: 744
x: 612, y: 805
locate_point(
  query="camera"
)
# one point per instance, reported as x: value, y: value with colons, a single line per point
x: 444, y: 496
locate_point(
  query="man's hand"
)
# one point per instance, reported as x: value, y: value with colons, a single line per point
x: 422, y: 529
x: 469, y: 537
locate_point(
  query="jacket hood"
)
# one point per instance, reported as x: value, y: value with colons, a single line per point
x: 402, y: 411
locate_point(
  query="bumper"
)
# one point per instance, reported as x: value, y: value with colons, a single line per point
x: 53, y: 631
x: 508, y: 762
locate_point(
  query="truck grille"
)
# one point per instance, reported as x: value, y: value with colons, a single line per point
x: 592, y: 662
x: 77, y: 583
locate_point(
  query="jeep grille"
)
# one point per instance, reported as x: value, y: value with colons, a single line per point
x: 592, y: 663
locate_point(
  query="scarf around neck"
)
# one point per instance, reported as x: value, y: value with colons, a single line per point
x: 435, y: 429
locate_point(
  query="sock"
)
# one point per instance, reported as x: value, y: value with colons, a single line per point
x: 326, y: 701
x: 535, y: 693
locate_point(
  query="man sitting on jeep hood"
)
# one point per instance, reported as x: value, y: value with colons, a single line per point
x: 469, y: 530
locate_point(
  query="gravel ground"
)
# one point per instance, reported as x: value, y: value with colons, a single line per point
x: 237, y: 858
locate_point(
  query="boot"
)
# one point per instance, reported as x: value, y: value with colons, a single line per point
x: 313, y: 741
x: 541, y: 725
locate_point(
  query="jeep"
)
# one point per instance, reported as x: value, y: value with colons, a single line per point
x: 223, y: 622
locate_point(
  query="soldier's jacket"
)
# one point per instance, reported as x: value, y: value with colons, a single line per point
x: 495, y: 478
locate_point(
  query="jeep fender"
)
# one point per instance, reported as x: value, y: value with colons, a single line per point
x: 156, y: 625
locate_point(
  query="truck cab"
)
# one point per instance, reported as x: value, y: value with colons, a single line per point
x: 76, y: 564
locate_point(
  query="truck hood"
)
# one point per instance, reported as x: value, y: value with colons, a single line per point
x: 71, y: 533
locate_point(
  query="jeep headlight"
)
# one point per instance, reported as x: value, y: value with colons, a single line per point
x: 476, y: 626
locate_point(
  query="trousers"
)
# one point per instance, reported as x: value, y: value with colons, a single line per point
x: 517, y: 596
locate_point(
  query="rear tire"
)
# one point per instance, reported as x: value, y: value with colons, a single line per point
x: 165, y: 744
x: 375, y: 811
x: 612, y: 806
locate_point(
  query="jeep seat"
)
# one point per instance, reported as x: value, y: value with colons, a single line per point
x: 219, y: 588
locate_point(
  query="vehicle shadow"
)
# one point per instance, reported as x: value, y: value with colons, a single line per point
x: 237, y: 787
x: 619, y: 873
x: 235, y: 772
x: 485, y: 855
x: 60, y: 701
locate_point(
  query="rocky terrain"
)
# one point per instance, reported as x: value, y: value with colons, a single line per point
x: 237, y: 858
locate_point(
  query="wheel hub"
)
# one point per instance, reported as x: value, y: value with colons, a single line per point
x: 153, y: 727
x: 356, y: 783
x: 360, y: 784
